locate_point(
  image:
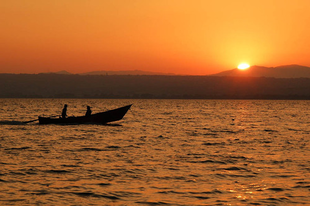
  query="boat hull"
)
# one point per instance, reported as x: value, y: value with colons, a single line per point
x: 98, y: 118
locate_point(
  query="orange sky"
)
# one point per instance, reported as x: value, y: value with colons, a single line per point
x: 193, y: 37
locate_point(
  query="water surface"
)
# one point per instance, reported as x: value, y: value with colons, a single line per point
x: 164, y: 152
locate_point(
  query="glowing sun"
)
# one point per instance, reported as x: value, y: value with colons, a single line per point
x: 243, y: 66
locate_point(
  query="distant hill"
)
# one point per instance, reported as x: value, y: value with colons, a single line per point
x: 63, y: 72
x: 59, y: 72
x: 128, y: 72
x: 288, y: 71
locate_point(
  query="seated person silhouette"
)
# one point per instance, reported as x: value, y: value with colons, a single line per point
x: 88, y: 112
x: 64, y: 111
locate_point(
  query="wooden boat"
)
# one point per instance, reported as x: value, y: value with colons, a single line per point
x: 98, y: 118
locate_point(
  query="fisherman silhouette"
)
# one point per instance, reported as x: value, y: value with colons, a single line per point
x: 64, y: 111
x: 88, y: 112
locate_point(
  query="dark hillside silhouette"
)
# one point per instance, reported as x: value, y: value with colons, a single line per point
x: 289, y: 71
x: 130, y: 86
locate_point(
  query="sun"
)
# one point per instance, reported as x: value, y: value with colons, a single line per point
x: 243, y: 66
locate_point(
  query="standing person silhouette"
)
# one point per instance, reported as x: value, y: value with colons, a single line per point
x: 64, y: 111
x: 88, y: 112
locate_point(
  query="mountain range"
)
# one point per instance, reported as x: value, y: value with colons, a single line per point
x: 128, y: 72
x: 288, y: 71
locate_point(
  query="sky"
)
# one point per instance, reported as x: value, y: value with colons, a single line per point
x: 191, y: 37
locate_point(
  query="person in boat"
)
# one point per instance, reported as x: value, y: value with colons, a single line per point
x: 88, y: 112
x: 64, y: 111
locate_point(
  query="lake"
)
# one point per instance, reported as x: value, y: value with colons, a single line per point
x: 163, y: 152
